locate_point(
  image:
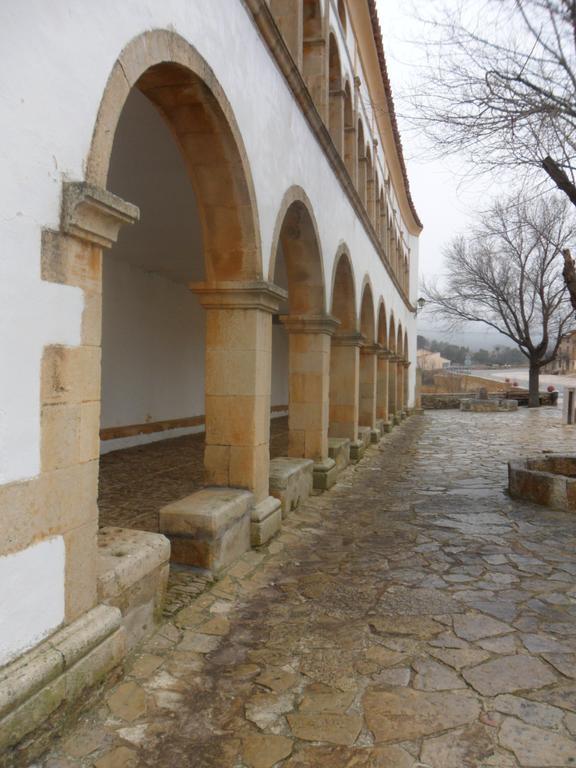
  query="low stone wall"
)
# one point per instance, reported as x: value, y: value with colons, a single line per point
x: 443, y: 401
x: 549, y: 480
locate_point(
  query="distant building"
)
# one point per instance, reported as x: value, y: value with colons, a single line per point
x: 565, y: 360
x: 431, y: 361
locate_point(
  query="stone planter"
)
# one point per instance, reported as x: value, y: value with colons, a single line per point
x: 549, y: 480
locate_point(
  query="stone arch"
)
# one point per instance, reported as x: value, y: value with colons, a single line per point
x: 301, y: 341
x: 172, y: 74
x: 344, y: 352
x: 382, y: 327
x: 367, y: 314
x: 349, y: 132
x: 314, y: 53
x: 296, y: 233
x: 362, y: 162
x: 400, y: 341
x: 335, y: 95
x: 383, y: 365
x: 392, y: 334
x: 343, y: 292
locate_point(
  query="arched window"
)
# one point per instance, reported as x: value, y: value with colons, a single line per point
x: 349, y: 133
x: 336, y: 96
x: 361, y: 173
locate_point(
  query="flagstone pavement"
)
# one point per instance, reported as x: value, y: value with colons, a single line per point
x: 413, y: 616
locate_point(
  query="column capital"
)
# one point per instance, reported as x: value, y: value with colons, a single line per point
x: 252, y: 294
x: 310, y: 324
x: 394, y: 358
x: 93, y: 214
x: 384, y: 354
x: 371, y: 349
x: 353, y: 339
x: 406, y: 363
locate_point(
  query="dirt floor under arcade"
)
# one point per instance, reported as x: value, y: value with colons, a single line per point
x: 412, y: 616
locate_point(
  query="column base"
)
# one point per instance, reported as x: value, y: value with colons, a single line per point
x: 325, y: 474
x: 265, y: 521
x: 357, y: 450
x: 387, y: 426
x: 209, y: 529
x: 133, y: 576
x: 375, y: 435
x: 39, y: 691
x: 291, y: 481
x: 339, y: 450
x: 364, y: 435
x: 396, y: 418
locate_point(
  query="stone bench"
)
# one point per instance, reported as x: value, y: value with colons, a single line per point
x: 339, y: 451
x: 378, y: 432
x: 133, y: 576
x: 291, y: 481
x: 209, y: 529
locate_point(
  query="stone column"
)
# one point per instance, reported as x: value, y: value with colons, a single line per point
x: 406, y: 378
x: 368, y: 382
x: 382, y: 389
x: 344, y: 385
x: 309, y: 374
x: 237, y: 382
x: 400, y: 388
x: 336, y: 119
x: 392, y: 389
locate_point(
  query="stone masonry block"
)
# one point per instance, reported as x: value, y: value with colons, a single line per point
x: 210, y: 528
x: 291, y: 481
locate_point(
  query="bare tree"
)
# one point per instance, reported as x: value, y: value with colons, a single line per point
x: 507, y: 274
x: 500, y: 85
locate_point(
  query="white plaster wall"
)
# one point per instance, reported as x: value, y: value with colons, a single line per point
x: 152, y: 347
x: 49, y: 104
x: 31, y: 596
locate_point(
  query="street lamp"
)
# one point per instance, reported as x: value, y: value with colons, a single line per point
x: 421, y: 302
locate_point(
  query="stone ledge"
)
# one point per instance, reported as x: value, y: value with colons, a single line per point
x: 266, y: 521
x: 133, y: 576
x: 53, y: 675
x: 325, y: 474
x: 291, y: 481
x: 364, y: 434
x: 210, y: 528
x: 357, y: 450
x: 94, y: 214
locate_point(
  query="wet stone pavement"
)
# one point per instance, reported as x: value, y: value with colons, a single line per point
x: 412, y: 616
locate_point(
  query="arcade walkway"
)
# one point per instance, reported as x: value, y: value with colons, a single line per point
x: 135, y: 483
x: 412, y: 616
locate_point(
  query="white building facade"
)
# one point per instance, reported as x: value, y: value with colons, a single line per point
x: 206, y: 221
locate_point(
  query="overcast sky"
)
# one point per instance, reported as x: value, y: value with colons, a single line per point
x: 444, y: 194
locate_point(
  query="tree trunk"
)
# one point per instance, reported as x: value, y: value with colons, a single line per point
x: 533, y: 386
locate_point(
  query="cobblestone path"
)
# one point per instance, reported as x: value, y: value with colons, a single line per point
x: 412, y: 616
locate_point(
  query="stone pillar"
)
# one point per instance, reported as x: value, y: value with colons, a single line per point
x: 237, y: 382
x: 336, y: 119
x: 91, y: 218
x: 368, y: 382
x: 288, y: 17
x: 392, y: 389
x: 315, y: 70
x: 362, y: 179
x: 382, y: 388
x: 345, y: 385
x: 309, y: 374
x: 406, y: 379
x: 400, y: 387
